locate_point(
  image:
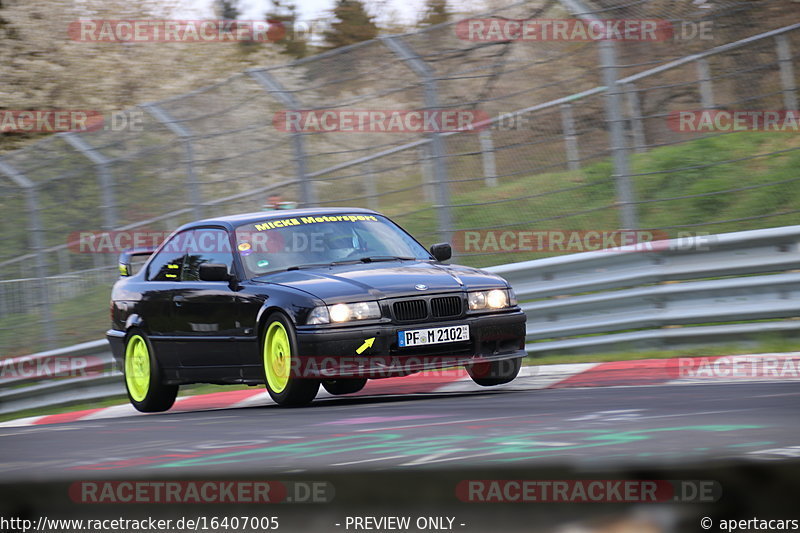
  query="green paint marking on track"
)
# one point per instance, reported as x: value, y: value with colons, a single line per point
x: 751, y: 444
x: 376, y: 445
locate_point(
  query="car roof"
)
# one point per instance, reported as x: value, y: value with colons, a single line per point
x: 259, y: 216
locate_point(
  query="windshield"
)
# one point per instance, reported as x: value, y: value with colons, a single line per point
x: 276, y: 244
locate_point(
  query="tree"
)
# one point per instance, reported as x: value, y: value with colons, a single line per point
x: 294, y: 43
x: 228, y: 9
x: 436, y: 12
x: 43, y: 67
x: 352, y: 25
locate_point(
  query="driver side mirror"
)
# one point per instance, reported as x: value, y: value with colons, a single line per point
x: 214, y: 272
x: 442, y: 251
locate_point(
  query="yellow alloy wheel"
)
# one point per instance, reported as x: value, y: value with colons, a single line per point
x: 277, y: 357
x: 137, y: 368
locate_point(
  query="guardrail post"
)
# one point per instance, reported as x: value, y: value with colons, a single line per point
x: 37, y: 244
x: 706, y: 87
x: 786, y: 66
x: 635, y: 111
x: 570, y: 138
x: 182, y: 132
x: 487, y: 157
x: 421, y: 69
x: 268, y: 82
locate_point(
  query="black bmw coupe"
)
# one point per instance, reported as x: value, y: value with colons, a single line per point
x: 302, y: 298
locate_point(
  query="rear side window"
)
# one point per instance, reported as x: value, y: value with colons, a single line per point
x: 166, y: 266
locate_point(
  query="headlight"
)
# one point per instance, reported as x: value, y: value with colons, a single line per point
x: 319, y: 315
x: 493, y: 299
x: 344, y: 312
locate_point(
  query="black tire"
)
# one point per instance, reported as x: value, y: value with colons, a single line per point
x: 297, y: 390
x: 158, y: 397
x: 344, y: 386
x: 494, y: 373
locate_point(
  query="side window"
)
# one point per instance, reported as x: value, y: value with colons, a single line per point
x: 205, y: 245
x: 166, y: 266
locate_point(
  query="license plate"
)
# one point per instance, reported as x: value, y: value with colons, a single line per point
x: 423, y: 337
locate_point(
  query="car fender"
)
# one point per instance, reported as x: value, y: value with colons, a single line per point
x: 293, y: 303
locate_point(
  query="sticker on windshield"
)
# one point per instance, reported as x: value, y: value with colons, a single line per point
x: 299, y: 221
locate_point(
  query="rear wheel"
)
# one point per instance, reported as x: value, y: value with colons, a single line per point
x: 280, y: 362
x: 344, y: 386
x: 495, y: 372
x: 143, y: 376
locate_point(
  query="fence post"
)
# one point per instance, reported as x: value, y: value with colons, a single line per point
x: 276, y: 90
x: 101, y: 162
x: 635, y: 112
x: 37, y: 244
x: 421, y: 69
x: 706, y: 87
x: 614, y: 118
x: 570, y: 139
x: 616, y: 122
x: 63, y: 260
x: 4, y: 307
x: 787, y: 72
x: 185, y: 135
x: 427, y: 173
x: 370, y: 186
x: 487, y: 157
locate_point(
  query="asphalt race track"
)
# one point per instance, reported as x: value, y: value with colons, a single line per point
x: 408, y: 454
x: 585, y: 428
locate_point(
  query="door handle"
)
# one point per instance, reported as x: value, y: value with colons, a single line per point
x: 179, y: 300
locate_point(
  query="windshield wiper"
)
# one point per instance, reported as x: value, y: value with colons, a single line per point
x: 309, y: 265
x: 376, y: 258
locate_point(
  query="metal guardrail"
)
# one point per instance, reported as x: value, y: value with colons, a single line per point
x: 78, y: 373
x: 717, y: 288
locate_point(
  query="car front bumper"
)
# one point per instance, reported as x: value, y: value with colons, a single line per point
x: 373, y: 352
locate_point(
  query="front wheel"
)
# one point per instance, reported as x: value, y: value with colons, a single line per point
x: 494, y: 373
x: 344, y: 386
x: 281, y: 362
x: 146, y: 392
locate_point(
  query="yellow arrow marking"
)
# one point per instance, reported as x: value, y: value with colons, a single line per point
x: 367, y: 344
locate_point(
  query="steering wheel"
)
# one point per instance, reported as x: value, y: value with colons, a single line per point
x: 355, y: 254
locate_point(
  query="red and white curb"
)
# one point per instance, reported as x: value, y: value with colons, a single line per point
x: 676, y: 371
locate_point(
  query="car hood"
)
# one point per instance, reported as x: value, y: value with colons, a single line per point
x: 383, y: 280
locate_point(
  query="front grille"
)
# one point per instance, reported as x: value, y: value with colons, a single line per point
x: 410, y: 310
x: 446, y: 306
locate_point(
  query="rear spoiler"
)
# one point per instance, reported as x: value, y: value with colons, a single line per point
x: 126, y: 256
